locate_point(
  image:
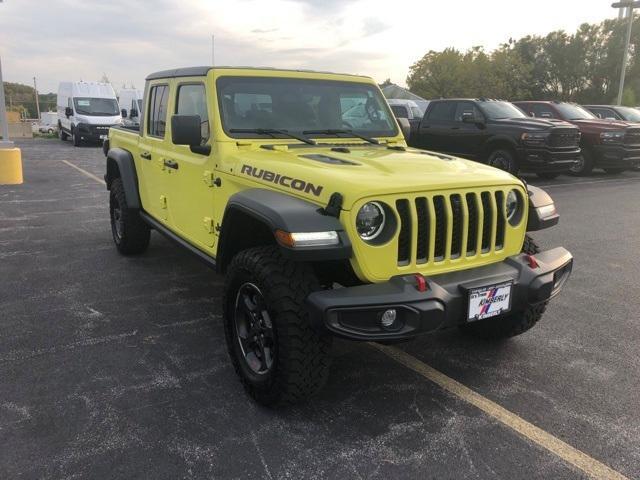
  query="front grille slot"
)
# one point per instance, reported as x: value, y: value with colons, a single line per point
x: 404, y: 237
x: 450, y: 227
x: 632, y: 137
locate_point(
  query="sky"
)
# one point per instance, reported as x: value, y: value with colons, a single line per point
x: 56, y: 40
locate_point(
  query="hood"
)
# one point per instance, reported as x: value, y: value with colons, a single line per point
x: 532, y: 123
x: 361, y: 172
x: 601, y: 124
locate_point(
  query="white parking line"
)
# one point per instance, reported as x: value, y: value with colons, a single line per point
x: 622, y: 180
x: 590, y: 466
x: 83, y: 171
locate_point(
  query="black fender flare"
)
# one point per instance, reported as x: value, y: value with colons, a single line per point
x: 279, y: 211
x: 120, y: 164
x: 539, y: 198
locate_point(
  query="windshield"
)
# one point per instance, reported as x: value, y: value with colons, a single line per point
x: 629, y: 114
x: 498, y: 110
x: 569, y: 111
x: 106, y: 107
x: 298, y: 105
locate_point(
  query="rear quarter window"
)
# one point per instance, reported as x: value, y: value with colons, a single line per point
x: 158, y: 101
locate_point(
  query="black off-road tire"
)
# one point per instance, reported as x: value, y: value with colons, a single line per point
x: 75, y: 138
x: 614, y: 171
x: 547, y: 175
x: 504, y: 159
x: 585, y: 166
x: 510, y: 325
x: 130, y: 233
x: 301, y: 358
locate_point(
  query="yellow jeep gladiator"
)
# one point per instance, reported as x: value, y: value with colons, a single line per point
x: 299, y: 187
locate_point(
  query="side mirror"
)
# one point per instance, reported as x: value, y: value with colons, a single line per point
x: 133, y: 113
x: 405, y: 126
x: 68, y: 111
x: 123, y: 112
x: 186, y: 130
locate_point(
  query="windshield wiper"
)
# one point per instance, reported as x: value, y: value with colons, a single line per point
x: 272, y: 132
x: 334, y: 131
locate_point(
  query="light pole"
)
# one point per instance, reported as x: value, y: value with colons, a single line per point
x: 630, y: 5
x: 35, y: 87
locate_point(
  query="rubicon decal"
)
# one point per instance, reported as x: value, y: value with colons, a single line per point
x: 284, y: 180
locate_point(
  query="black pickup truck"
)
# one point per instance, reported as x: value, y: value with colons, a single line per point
x: 499, y: 134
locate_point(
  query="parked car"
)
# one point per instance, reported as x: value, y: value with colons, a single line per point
x: 408, y: 109
x: 130, y: 102
x: 286, y: 200
x: 615, y: 112
x: 612, y: 145
x: 499, y: 134
x: 86, y: 110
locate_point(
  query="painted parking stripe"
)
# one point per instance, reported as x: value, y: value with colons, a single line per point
x: 590, y: 466
x: 589, y: 182
x: 84, y: 172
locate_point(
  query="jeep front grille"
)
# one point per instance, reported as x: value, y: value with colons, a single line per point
x: 450, y: 226
x: 564, y: 138
x: 632, y: 137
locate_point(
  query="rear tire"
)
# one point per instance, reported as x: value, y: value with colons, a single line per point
x: 547, y: 175
x: 278, y: 356
x: 503, y: 159
x: 513, y: 324
x: 584, y: 166
x: 130, y: 233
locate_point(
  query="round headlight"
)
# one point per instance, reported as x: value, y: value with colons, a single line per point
x: 370, y: 220
x: 513, y: 207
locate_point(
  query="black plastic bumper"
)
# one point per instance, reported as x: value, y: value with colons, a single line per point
x: 355, y: 312
x: 547, y: 160
x: 616, y: 156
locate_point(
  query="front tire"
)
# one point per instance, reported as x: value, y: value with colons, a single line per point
x: 278, y: 356
x: 503, y: 159
x: 75, y: 138
x: 62, y: 135
x: 130, y: 234
x: 515, y: 323
x: 584, y: 166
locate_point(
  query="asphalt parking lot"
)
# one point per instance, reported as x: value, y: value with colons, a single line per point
x: 114, y: 367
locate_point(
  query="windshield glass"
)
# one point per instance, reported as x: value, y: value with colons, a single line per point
x: 574, y: 112
x: 297, y: 105
x: 107, y: 107
x: 629, y: 114
x: 498, y: 110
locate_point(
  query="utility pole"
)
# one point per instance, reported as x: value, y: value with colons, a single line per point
x: 213, y: 50
x: 35, y: 87
x: 629, y: 6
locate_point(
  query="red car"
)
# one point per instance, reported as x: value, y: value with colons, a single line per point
x: 612, y: 145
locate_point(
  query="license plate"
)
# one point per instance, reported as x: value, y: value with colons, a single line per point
x: 103, y: 137
x: 490, y: 301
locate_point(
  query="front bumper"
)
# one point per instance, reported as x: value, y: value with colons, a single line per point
x: 547, y: 160
x: 616, y: 156
x: 355, y: 312
x: 92, y: 132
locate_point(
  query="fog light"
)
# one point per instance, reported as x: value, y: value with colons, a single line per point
x: 388, y: 318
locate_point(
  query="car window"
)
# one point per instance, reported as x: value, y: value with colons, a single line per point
x: 442, y: 111
x: 540, y: 110
x: 158, y: 99
x: 466, y: 108
x: 417, y: 113
x: 192, y: 100
x: 400, y: 111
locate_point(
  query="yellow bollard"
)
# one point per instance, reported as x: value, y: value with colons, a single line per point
x: 10, y: 166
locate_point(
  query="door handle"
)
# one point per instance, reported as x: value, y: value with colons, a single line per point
x: 170, y: 164
x: 146, y: 155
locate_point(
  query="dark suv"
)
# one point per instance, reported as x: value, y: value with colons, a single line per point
x: 612, y: 145
x: 499, y: 134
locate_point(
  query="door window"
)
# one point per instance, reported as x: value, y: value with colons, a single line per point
x: 192, y: 100
x: 442, y: 112
x: 541, y: 110
x: 158, y: 100
x: 467, y: 108
x: 399, y: 111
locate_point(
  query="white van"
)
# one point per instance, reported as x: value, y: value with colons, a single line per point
x: 130, y: 101
x: 86, y: 110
